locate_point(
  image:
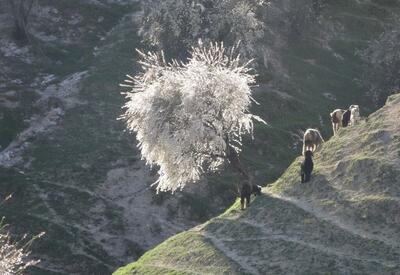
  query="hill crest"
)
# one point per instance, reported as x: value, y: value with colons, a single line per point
x: 346, y: 220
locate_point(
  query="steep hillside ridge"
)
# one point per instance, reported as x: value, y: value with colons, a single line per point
x: 75, y: 174
x: 345, y: 221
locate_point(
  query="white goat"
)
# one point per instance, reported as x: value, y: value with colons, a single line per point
x: 355, y: 114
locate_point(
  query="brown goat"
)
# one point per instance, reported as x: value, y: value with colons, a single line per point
x: 336, y: 118
x: 312, y: 140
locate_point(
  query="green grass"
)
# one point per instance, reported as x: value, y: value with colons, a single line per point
x: 203, y: 257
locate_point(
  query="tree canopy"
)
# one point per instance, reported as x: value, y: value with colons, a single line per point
x: 176, y: 25
x: 189, y: 118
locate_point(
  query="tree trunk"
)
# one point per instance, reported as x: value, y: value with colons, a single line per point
x: 235, y: 162
x: 245, y: 189
x: 20, y: 32
x: 20, y: 11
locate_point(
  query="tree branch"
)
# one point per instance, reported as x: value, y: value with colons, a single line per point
x: 211, y: 155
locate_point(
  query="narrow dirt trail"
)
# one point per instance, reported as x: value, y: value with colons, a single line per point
x: 219, y: 244
x: 324, y: 249
x: 335, y: 220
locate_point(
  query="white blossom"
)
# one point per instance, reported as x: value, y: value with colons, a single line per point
x: 14, y: 255
x: 187, y: 116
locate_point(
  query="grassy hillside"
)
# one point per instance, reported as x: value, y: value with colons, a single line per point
x: 80, y: 178
x: 345, y: 221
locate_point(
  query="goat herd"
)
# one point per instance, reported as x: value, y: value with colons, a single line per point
x: 313, y: 139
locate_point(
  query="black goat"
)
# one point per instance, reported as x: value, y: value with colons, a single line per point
x: 245, y: 194
x: 307, y: 166
x: 346, y: 118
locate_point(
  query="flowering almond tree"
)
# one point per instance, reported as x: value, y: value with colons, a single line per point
x: 14, y: 255
x: 189, y: 118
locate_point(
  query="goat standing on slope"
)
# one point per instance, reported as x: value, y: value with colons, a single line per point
x: 312, y: 140
x: 354, y: 114
x: 245, y: 194
x: 336, y: 118
x: 307, y: 166
x: 346, y: 118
